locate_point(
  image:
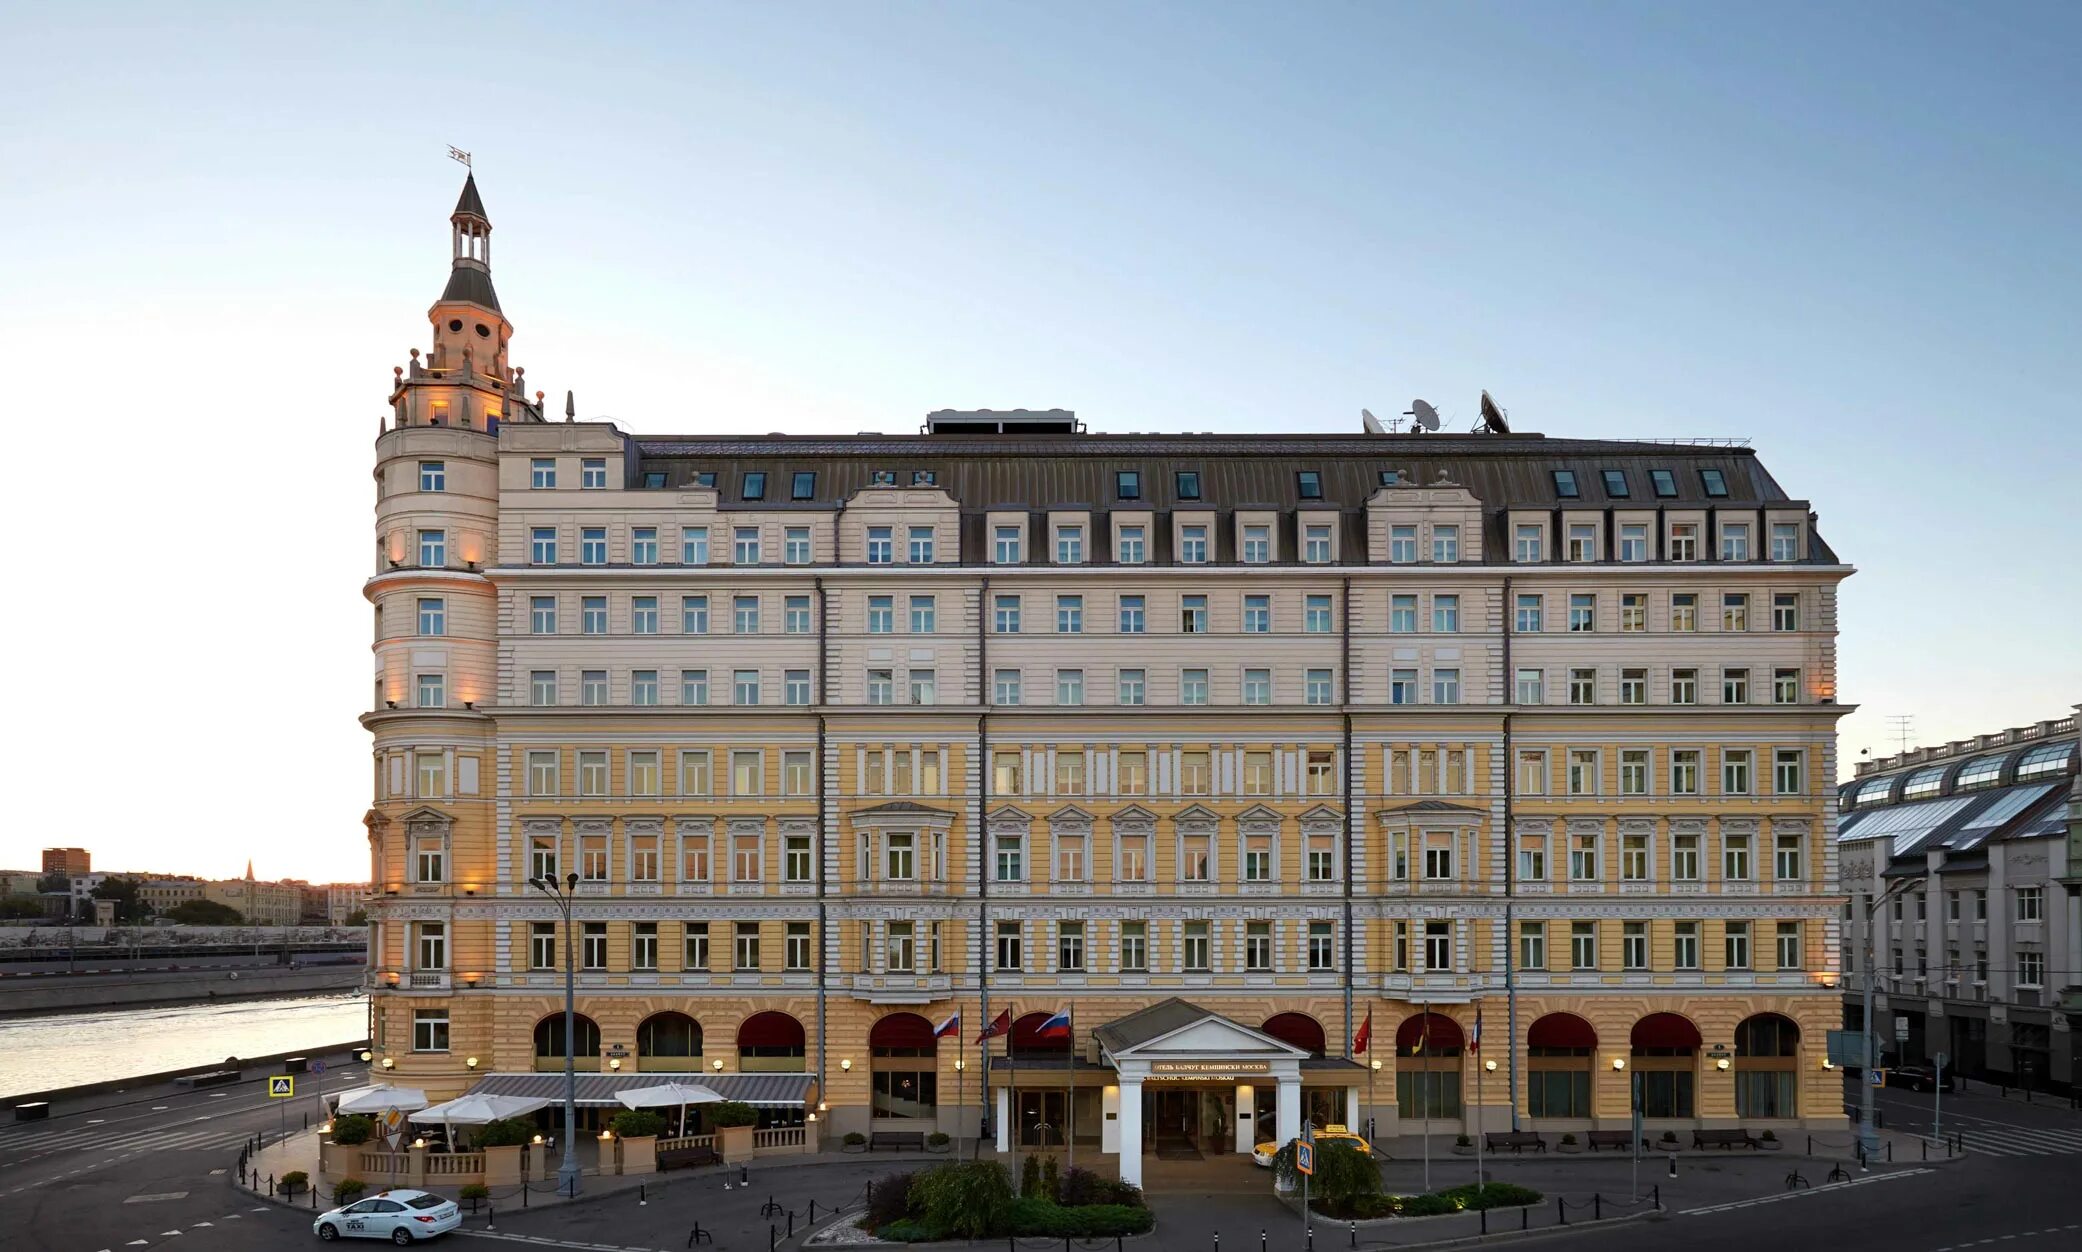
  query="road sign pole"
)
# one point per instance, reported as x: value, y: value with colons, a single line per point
x: 1937, y: 1108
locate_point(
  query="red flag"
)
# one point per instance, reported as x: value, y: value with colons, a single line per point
x: 999, y: 1025
x: 1365, y: 1035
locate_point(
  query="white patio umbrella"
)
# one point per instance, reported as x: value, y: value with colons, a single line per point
x: 665, y: 1095
x: 382, y: 1098
x: 478, y: 1107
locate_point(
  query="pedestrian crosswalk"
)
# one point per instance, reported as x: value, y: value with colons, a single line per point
x: 187, y: 1136
x: 2003, y: 1140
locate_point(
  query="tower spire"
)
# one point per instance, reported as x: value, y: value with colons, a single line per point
x: 470, y: 275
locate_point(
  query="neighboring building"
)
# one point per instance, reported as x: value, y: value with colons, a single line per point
x: 163, y: 895
x: 67, y: 861
x: 81, y: 887
x: 261, y: 903
x: 1980, y: 946
x: 343, y: 900
x: 20, y: 882
x: 1234, y: 742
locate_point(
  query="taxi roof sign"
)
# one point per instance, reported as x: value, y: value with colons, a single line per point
x: 280, y: 1085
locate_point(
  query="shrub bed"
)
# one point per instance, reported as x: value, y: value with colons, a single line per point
x: 1465, y: 1198
x: 975, y: 1200
x: 352, y: 1128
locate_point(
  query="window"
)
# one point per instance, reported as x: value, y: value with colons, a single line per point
x: 430, y: 859
x: 1317, y: 688
x: 1135, y: 947
x: 1130, y: 693
x: 1736, y: 945
x: 592, y: 473
x: 1531, y: 687
x: 1438, y: 862
x: 881, y: 686
x: 881, y: 545
x: 744, y: 615
x: 1531, y: 613
x: 1565, y: 484
x: 433, y: 616
x: 795, y: 545
x: 1684, y: 947
x: 1583, y: 613
x: 2031, y: 904
x: 1308, y: 484
x: 1735, y: 771
x: 1633, y: 543
x: 1785, y: 541
x: 542, y: 687
x: 1532, y: 773
x: 1583, y: 945
x: 1684, y: 858
x: 745, y: 952
x: 1257, y: 686
x: 1257, y: 614
x: 1127, y: 485
x: 1192, y: 615
x: 1785, y: 611
x: 693, y: 687
x: 643, y: 615
x: 1633, y: 686
x: 1195, y: 948
x: 592, y: 687
x: 1257, y: 545
x: 1009, y: 955
x: 1633, y: 945
x: 1665, y: 483
x: 693, y: 545
x: 1445, y: 686
x: 1438, y: 945
x: 643, y: 687
x: 1322, y: 955
x: 1527, y: 542
x: 1532, y: 945
x: 1005, y: 687
x: 1684, y: 611
x: 1583, y: 858
x: 1069, y: 545
x: 1316, y: 615
x: 795, y: 686
x: 542, y: 776
x: 1011, y: 858
x: 1257, y: 947
x: 1131, y: 549
x: 1445, y: 614
x: 695, y: 773
x: 1402, y: 686
x: 744, y: 686
x: 592, y: 615
x: 542, y: 473
x: 1069, y: 687
x: 433, y: 548
x: 796, y: 946
x: 1633, y: 771
x: 643, y: 545
x: 2031, y: 968
x: 1583, y: 542
x: 1445, y: 544
x: 1315, y: 545
x: 2045, y: 761
x: 1133, y: 620
x: 542, y: 615
x: 753, y: 485
x: 1402, y: 544
x: 542, y: 944
x: 1187, y: 484
x: 696, y: 957
x: 1633, y: 858
x: 1005, y: 615
x: 1684, y: 541
x: 592, y: 946
x: 1684, y: 686
x: 1788, y: 771
x: 430, y: 1030
x: 1583, y: 686
x: 1735, y: 857
x: 1735, y: 541
x: 1785, y: 686
x: 1192, y: 545
x: 1005, y: 546
x: 1069, y: 615
x: 1193, y: 773
x: 881, y: 615
x: 1402, y: 613
x: 899, y: 856
x: 1734, y: 611
x: 1734, y: 686
x: 1583, y: 772
x: 1069, y: 947
x: 592, y: 545
x: 1786, y: 864
x: 802, y: 485
x: 924, y: 615
x: 432, y: 691
x: 1716, y: 485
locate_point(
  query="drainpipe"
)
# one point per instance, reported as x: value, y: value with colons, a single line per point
x: 1510, y: 863
x: 823, y: 917
x: 1345, y: 768
x: 982, y: 834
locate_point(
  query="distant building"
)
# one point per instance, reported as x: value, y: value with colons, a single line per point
x: 343, y: 900
x: 261, y: 903
x: 163, y: 895
x: 20, y: 882
x: 67, y: 861
x: 82, y: 889
x: 1979, y: 950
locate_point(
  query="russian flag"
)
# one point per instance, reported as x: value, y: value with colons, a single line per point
x: 1057, y: 1027
x: 952, y: 1026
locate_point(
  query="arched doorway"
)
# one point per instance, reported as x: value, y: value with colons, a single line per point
x: 771, y: 1043
x: 904, y: 1065
x: 1040, y: 1109
x: 1665, y: 1051
x: 668, y: 1043
x: 1299, y: 1029
x: 1767, y: 1067
x: 549, y: 1042
x: 1560, y: 1051
x: 1427, y: 1066
x: 1320, y: 1106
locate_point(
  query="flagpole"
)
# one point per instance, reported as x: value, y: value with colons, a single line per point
x: 1481, y: 1099
x: 1424, y: 1048
x: 1070, y: 1098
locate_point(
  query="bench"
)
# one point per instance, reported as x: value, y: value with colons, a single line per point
x: 897, y: 1140
x: 1621, y: 1139
x: 214, y: 1078
x: 34, y: 1111
x: 691, y: 1158
x: 1516, y: 1140
x: 1723, y: 1139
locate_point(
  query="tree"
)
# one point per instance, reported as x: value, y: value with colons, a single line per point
x: 21, y: 906
x: 129, y: 907
x: 359, y: 917
x: 204, y: 913
x: 54, y: 881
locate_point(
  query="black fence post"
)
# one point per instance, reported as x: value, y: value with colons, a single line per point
x: 1525, y: 1217
x: 1261, y: 1239
x: 1658, y: 1196
x: 1597, y: 1206
x: 1481, y: 1213
x: 1355, y: 1234
x: 1561, y: 1208
x: 791, y: 1223
x: 773, y: 1237
x: 524, y: 1192
x: 491, y: 1216
x: 1810, y: 1145
x: 271, y: 1186
x: 1890, y: 1151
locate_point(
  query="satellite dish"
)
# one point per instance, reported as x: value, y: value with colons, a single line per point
x: 1370, y: 423
x: 1423, y: 416
x: 1493, y: 417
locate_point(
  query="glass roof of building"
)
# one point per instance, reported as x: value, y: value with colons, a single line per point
x: 1905, y: 824
x: 1974, y: 831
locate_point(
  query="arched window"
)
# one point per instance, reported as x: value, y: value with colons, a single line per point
x: 1665, y: 1051
x: 904, y: 1060
x: 1023, y: 1041
x: 549, y: 1042
x: 1299, y: 1029
x: 669, y: 1043
x: 1767, y: 1067
x: 1427, y: 1066
x: 1561, y: 1053
x: 771, y: 1043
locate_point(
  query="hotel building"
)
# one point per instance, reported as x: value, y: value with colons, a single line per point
x: 1236, y: 743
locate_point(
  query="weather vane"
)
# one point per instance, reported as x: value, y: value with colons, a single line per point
x: 457, y: 154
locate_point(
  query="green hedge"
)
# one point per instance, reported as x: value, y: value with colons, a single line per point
x: 633, y: 1123
x: 504, y: 1133
x: 905, y: 1230
x: 1496, y: 1195
x: 732, y: 1113
x: 1465, y: 1198
x: 352, y: 1128
x: 1039, y: 1219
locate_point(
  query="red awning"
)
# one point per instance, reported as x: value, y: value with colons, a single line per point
x: 770, y: 1030
x: 1562, y: 1030
x: 1299, y: 1029
x: 1665, y: 1030
x: 902, y: 1030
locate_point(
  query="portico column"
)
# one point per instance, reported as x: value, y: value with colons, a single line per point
x: 1004, y: 1119
x: 1287, y: 1117
x: 1131, y: 1130
x: 1352, y: 1107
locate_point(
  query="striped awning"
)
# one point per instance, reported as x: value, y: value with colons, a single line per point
x: 791, y: 1091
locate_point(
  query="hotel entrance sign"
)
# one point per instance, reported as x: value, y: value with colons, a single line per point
x: 1178, y: 1071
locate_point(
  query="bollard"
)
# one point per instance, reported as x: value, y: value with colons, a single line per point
x: 524, y: 1193
x: 791, y: 1223
x: 1261, y: 1239
x: 1658, y: 1192
x: 813, y: 1212
x: 773, y: 1238
x: 1673, y: 1165
x: 643, y: 1195
x: 1217, y: 1241
x: 1482, y: 1213
x: 491, y: 1217
x: 1561, y: 1209
x: 271, y: 1186
x: 1890, y: 1151
x: 1810, y: 1145
x: 1308, y: 1232
x: 1355, y: 1234
x: 1597, y: 1207
x: 314, y: 1195
x: 1926, y: 1149
x: 744, y: 1174
x: 1525, y: 1217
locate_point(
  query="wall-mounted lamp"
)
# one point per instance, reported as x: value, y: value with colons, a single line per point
x: 718, y: 1064
x: 538, y: 1139
x: 960, y: 1065
x: 614, y: 1062
x: 419, y: 1143
x: 1619, y: 1062
x: 1827, y: 1063
x: 366, y: 1057
x: 390, y: 704
x: 470, y: 1062
x: 470, y: 980
x: 1721, y: 1063
x: 389, y: 1063
x: 606, y: 1135
x: 846, y: 1063
x: 470, y: 705
x: 1490, y: 1066
x: 1377, y: 1067
x: 823, y: 1106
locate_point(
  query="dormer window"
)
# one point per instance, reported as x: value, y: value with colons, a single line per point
x: 882, y: 478
x: 592, y: 474
x: 654, y: 479
x: 1616, y: 484
x: 1565, y: 484
x: 1188, y: 484
x: 1390, y: 478
x: 803, y: 485
x: 925, y: 478
x: 1309, y: 483
x: 1127, y: 485
x: 754, y: 485
x: 1665, y: 483
x: 1715, y: 483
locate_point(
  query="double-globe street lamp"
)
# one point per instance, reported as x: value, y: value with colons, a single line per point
x: 564, y: 894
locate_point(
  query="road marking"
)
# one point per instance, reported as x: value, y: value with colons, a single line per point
x: 164, y: 1233
x: 200, y: 1225
x: 157, y: 1195
x: 137, y: 1243
x: 1794, y: 1195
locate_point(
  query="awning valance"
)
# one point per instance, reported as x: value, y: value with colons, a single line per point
x: 604, y: 1090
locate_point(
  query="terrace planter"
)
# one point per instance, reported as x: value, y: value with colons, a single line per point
x: 502, y: 1166
x: 640, y: 1154
x: 734, y: 1143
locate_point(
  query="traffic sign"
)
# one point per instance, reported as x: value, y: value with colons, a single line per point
x: 1901, y: 1030
x: 280, y: 1085
x: 318, y: 1067
x: 1878, y: 1077
x: 1304, y: 1157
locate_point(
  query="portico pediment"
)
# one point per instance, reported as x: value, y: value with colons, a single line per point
x: 1176, y: 1030
x: 1134, y: 818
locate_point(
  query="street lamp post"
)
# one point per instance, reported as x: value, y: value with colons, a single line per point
x: 1868, y: 1136
x: 564, y: 894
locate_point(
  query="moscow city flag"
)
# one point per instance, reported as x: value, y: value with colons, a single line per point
x: 999, y: 1025
x: 1365, y: 1037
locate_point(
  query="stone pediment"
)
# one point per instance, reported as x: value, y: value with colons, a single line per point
x: 425, y: 813
x: 1070, y: 817
x: 1134, y: 818
x: 1259, y: 815
x: 1009, y: 816
x: 1323, y: 815
x: 1178, y: 1030
x: 1198, y: 818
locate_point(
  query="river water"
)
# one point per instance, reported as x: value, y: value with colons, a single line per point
x: 65, y: 1049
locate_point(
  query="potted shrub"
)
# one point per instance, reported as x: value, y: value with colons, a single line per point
x: 351, y: 1129
x: 1669, y: 1141
x: 501, y: 1142
x: 637, y: 1130
x: 348, y: 1191
x: 473, y: 1192
x: 1569, y: 1144
x: 854, y: 1141
x: 293, y: 1182
x: 733, y: 1120
x: 340, y: 1153
x: 938, y: 1141
x: 1463, y: 1145
x: 1769, y: 1141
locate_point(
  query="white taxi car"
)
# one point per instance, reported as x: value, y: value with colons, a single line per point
x: 400, y: 1216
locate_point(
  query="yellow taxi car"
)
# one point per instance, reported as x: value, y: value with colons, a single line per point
x: 1334, y: 1132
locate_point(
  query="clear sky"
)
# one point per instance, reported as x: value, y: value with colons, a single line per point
x: 1847, y: 232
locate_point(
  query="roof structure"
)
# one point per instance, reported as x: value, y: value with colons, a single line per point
x: 471, y: 285
x: 604, y: 1090
x: 470, y: 203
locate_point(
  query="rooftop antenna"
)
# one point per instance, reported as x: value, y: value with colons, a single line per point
x: 1422, y: 416
x: 1904, y: 727
x: 1493, y: 417
x: 1371, y: 424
